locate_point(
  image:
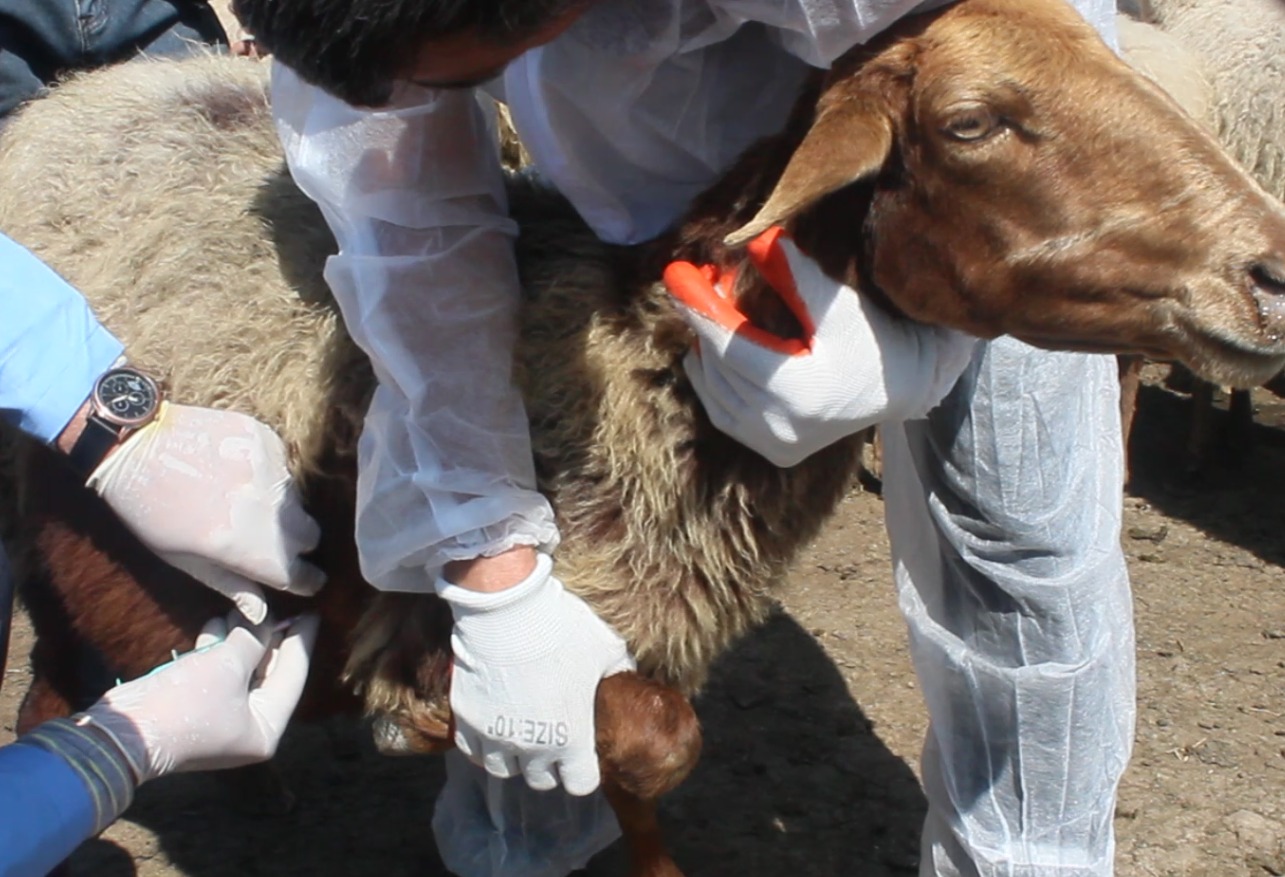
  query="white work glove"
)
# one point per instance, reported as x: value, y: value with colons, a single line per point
x: 527, y: 665
x: 210, y: 493
x: 224, y: 705
x: 786, y: 399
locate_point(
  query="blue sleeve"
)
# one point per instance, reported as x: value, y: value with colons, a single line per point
x: 46, y: 811
x: 52, y: 348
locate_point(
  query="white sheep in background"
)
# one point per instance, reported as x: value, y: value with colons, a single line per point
x: 1241, y: 44
x: 1224, y: 62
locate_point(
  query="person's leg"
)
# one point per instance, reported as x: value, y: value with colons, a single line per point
x: 37, y: 39
x: 117, y: 30
x: 1004, y: 511
x: 41, y: 40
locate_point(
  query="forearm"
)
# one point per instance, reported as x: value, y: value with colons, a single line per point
x: 66, y: 440
x: 45, y: 321
x: 491, y: 574
x: 427, y: 283
x: 445, y: 469
x: 59, y: 785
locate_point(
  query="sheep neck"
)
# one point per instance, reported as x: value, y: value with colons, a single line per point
x: 833, y: 230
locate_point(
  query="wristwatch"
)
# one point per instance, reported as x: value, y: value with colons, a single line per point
x: 124, y: 400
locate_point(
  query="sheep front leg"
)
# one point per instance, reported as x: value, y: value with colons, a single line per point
x: 1240, y: 427
x: 1200, y: 435
x: 44, y: 701
x: 59, y: 685
x: 648, y: 856
x: 1130, y: 368
x: 647, y: 735
x: 648, y: 740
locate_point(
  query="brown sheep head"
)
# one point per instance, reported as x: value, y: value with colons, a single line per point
x: 1017, y: 177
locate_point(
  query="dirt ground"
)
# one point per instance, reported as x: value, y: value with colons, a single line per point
x: 813, y: 725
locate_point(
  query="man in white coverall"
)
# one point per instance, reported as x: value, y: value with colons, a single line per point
x: 1003, y: 502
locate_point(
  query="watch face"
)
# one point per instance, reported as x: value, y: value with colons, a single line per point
x: 126, y: 396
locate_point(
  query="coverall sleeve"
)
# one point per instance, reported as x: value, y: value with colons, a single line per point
x: 52, y: 348
x: 427, y: 283
x: 59, y: 785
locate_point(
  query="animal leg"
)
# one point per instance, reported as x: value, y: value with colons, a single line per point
x: 648, y: 741
x: 1130, y: 379
x: 1200, y: 434
x: 44, y: 701
x: 870, y: 472
x: 1239, y: 435
x: 57, y: 687
x: 648, y: 856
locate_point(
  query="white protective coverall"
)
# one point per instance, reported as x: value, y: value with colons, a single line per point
x: 1003, y: 506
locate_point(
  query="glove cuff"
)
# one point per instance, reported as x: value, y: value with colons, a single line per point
x: 513, y: 626
x: 114, y: 727
x: 106, y: 473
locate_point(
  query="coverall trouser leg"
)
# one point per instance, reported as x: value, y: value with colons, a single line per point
x: 1004, y: 510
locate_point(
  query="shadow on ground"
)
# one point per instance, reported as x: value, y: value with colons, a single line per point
x: 792, y: 781
x: 1237, y: 497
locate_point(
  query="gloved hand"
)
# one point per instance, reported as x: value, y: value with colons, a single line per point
x: 223, y: 705
x: 786, y: 399
x: 527, y: 664
x: 209, y: 492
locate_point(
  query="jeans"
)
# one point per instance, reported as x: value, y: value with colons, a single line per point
x: 41, y: 40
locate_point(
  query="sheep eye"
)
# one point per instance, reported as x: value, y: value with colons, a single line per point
x: 971, y: 123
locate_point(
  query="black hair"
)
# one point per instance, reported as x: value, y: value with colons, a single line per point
x: 354, y: 49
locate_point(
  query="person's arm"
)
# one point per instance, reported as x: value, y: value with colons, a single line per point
x: 427, y: 283
x: 859, y: 366
x: 251, y: 529
x: 68, y: 779
x: 52, y: 347
x: 854, y: 367
x: 59, y: 785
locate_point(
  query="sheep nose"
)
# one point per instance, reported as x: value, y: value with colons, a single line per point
x: 1267, y: 277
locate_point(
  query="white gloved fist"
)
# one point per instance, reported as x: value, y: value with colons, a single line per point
x: 786, y: 399
x: 528, y: 660
x: 209, y: 492
x: 224, y: 705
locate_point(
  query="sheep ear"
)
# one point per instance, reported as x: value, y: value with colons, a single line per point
x: 846, y: 143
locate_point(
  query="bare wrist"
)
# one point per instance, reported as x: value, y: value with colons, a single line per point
x: 66, y: 439
x: 491, y: 574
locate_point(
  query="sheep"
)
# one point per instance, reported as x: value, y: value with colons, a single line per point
x: 1164, y: 60
x: 987, y: 197
x: 1224, y: 63
x: 1241, y: 45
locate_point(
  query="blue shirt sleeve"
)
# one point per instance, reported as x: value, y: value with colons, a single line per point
x: 52, y: 348
x: 46, y: 811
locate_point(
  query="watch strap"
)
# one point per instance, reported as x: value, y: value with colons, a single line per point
x: 92, y: 446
